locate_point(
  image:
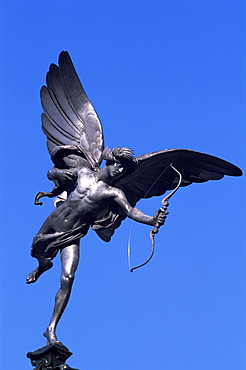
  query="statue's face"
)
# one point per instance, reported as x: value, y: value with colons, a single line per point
x: 115, y: 170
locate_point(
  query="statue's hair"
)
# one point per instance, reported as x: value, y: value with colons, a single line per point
x: 125, y: 156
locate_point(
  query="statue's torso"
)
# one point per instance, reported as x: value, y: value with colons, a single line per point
x: 88, y: 198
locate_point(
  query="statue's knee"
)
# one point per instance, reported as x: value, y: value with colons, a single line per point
x: 67, y: 279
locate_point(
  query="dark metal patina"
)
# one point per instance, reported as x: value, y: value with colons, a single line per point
x: 100, y: 198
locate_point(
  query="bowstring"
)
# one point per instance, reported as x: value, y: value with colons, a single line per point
x: 132, y: 221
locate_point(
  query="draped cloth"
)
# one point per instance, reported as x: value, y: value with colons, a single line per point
x: 48, y: 245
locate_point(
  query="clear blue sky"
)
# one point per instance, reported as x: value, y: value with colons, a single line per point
x: 161, y: 74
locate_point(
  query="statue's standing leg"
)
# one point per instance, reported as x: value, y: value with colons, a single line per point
x: 69, y: 262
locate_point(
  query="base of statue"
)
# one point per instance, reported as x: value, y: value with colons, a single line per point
x: 51, y: 357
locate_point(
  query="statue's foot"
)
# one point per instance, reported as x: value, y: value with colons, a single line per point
x: 50, y: 335
x: 34, y: 275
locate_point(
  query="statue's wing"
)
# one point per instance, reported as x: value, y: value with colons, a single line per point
x: 69, y: 118
x: 154, y: 176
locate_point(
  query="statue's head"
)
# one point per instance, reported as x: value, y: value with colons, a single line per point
x: 121, y: 158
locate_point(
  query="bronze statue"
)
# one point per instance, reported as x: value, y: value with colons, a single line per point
x: 100, y: 198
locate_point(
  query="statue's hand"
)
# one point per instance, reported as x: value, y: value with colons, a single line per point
x: 61, y: 176
x: 161, y: 215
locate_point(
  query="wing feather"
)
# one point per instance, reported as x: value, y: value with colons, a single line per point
x: 55, y: 133
x: 92, y: 135
x: 69, y: 118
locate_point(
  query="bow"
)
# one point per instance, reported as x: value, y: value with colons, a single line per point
x: 155, y: 229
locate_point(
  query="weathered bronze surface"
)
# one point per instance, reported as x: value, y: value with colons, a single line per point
x: 100, y: 198
x: 50, y: 357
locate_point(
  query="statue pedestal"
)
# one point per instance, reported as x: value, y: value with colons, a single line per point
x: 51, y: 357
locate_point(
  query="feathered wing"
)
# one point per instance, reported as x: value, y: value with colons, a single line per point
x: 69, y: 118
x: 154, y: 176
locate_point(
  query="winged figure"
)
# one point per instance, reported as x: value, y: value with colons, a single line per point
x: 87, y: 195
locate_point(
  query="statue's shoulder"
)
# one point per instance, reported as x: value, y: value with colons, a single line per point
x: 85, y: 171
x: 86, y: 176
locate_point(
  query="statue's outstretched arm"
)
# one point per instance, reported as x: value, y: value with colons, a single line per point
x: 137, y: 215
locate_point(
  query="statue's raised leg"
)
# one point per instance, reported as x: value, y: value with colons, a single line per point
x: 43, y: 265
